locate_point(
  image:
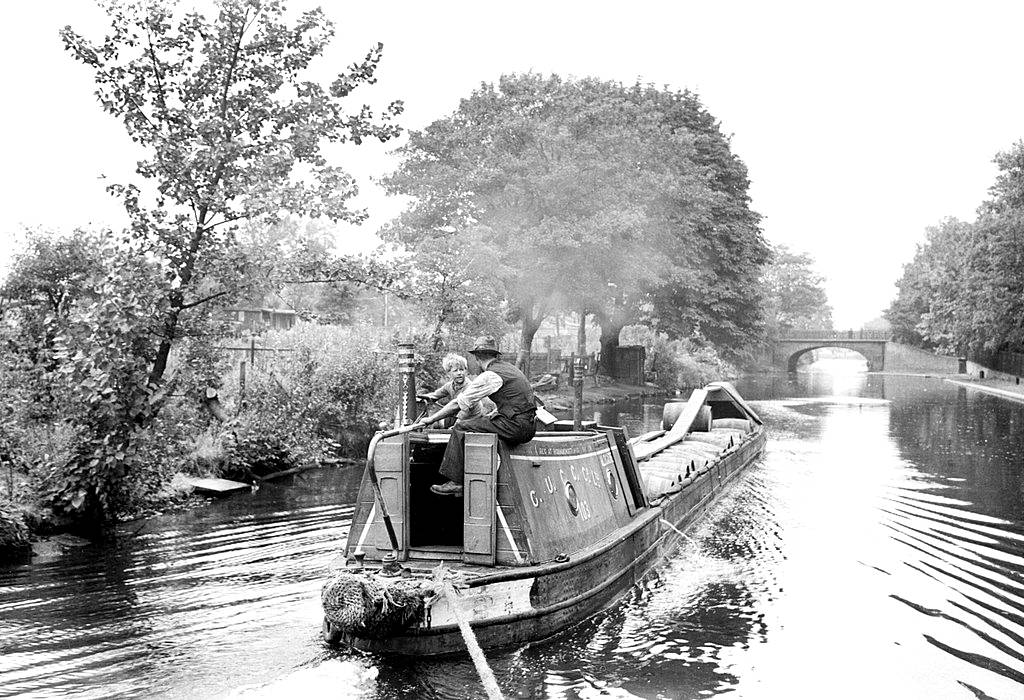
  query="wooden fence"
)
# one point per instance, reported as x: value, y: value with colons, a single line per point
x: 252, y: 353
x: 245, y: 356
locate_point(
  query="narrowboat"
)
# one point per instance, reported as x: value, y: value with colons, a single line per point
x: 546, y: 534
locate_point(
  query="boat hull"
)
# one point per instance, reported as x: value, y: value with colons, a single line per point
x: 524, y: 604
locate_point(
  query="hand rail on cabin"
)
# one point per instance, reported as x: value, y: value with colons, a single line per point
x: 371, y: 470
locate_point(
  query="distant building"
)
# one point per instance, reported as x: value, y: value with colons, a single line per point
x: 256, y: 320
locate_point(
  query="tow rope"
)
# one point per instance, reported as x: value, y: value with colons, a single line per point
x: 678, y: 531
x: 475, y: 652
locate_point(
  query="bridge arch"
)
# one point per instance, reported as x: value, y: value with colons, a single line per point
x: 793, y: 360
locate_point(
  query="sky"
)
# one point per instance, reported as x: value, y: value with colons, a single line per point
x: 861, y: 124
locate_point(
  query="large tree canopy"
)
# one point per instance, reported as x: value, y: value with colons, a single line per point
x: 590, y: 195
x: 928, y: 307
x: 553, y: 177
x: 964, y: 289
x: 718, y: 257
x: 232, y: 131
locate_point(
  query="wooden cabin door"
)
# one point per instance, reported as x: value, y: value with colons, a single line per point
x: 391, y: 462
x: 480, y: 497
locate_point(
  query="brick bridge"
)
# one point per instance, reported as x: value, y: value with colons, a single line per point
x: 881, y: 353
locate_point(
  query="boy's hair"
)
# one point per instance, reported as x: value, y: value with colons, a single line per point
x: 452, y: 361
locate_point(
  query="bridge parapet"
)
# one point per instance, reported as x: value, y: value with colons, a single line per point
x: 829, y: 334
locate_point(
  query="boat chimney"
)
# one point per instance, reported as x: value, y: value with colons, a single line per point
x: 406, y: 384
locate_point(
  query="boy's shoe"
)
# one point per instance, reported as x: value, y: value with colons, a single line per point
x: 447, y: 489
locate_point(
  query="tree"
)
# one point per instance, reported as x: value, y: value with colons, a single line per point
x: 50, y: 276
x: 964, y: 290
x: 718, y: 257
x: 996, y: 263
x: 106, y: 351
x: 451, y: 282
x: 793, y: 292
x: 232, y: 133
x: 925, y: 311
x: 51, y: 271
x: 565, y: 181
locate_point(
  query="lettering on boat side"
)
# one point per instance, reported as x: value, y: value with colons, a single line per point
x: 589, y: 476
x: 581, y: 480
x: 562, y: 450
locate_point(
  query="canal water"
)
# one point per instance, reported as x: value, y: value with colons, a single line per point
x: 877, y: 550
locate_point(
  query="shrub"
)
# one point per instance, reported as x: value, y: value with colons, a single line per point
x: 679, y: 363
x: 261, y: 450
x: 330, y: 390
x: 86, y: 432
x: 208, y: 452
x: 14, y: 540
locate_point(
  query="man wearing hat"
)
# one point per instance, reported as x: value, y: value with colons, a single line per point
x: 512, y: 421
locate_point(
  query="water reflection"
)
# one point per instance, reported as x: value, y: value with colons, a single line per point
x: 876, y: 550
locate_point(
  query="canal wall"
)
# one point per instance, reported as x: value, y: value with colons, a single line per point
x: 906, y: 358
x: 977, y: 371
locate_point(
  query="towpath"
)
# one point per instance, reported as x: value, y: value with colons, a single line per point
x: 998, y: 387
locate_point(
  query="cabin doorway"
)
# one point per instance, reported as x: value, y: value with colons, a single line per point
x: 435, y: 522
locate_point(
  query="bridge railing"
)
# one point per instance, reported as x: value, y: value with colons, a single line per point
x: 822, y: 334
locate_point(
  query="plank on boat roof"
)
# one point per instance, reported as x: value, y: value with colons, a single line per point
x: 217, y: 487
x: 678, y: 430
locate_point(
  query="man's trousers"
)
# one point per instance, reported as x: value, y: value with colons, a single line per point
x: 514, y: 431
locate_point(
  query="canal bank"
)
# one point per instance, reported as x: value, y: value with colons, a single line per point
x: 608, y: 392
x: 1004, y: 388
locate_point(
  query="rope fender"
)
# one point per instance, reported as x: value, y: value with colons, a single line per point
x: 373, y: 606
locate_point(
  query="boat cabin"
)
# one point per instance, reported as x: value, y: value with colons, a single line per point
x: 538, y: 502
x: 575, y: 486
